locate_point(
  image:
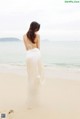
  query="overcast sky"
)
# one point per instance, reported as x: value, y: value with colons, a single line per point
x: 59, y: 20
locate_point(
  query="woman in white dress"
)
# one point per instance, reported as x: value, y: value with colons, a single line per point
x: 33, y: 61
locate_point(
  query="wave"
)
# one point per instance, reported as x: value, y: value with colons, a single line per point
x: 63, y: 65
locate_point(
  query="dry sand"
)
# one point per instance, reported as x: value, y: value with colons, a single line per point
x: 59, y: 96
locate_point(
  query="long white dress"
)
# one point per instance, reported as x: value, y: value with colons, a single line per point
x: 35, y: 74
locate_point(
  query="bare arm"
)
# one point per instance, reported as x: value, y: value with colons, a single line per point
x: 38, y: 41
x: 24, y: 40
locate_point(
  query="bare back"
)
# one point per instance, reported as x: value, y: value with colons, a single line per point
x: 29, y: 45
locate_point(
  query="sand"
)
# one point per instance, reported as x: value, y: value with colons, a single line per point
x: 59, y: 95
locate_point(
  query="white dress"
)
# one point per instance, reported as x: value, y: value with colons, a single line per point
x: 35, y: 74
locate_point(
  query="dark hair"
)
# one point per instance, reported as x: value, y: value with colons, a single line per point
x: 34, y: 26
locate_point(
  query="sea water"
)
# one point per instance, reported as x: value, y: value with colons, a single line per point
x: 59, y: 53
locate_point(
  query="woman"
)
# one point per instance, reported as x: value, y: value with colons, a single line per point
x: 33, y: 61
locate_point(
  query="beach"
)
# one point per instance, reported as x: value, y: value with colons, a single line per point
x: 59, y: 95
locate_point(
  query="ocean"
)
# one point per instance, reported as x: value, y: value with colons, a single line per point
x: 54, y: 53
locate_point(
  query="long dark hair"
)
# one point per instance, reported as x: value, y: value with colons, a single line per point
x: 34, y: 26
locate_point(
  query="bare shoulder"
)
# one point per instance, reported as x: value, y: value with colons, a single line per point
x: 37, y: 37
x: 24, y: 37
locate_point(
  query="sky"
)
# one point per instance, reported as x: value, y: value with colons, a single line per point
x: 58, y: 20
